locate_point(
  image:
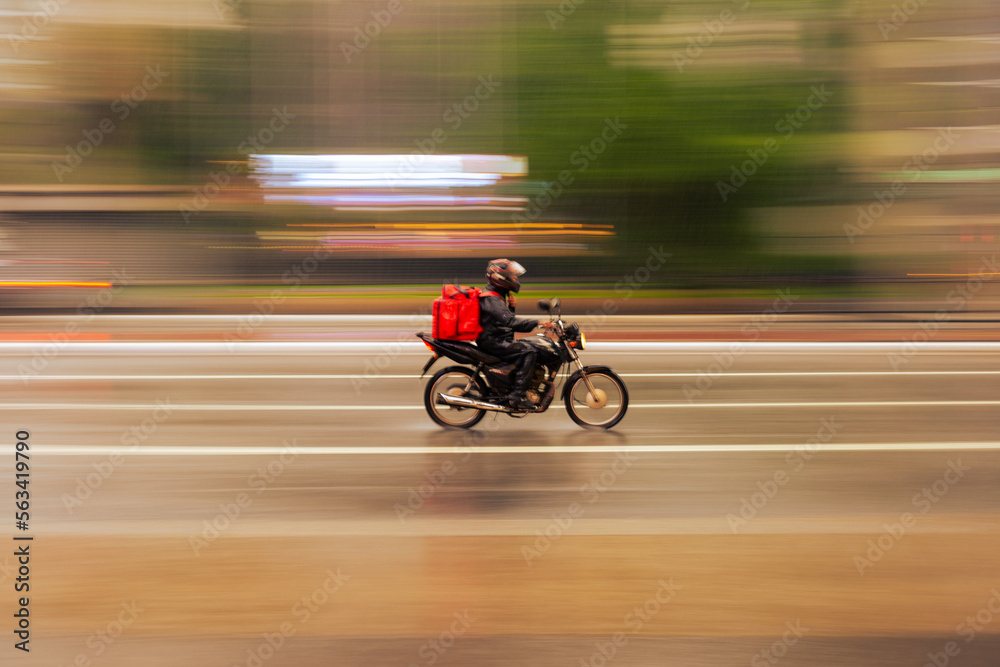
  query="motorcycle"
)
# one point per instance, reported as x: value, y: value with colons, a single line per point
x: 459, y: 397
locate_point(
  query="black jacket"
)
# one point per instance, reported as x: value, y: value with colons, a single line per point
x: 498, y: 321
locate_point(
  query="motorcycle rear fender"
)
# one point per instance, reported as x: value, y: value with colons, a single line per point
x: 430, y: 362
x: 449, y: 349
x: 441, y: 349
x: 586, y: 369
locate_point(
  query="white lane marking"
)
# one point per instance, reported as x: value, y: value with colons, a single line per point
x: 416, y: 317
x: 419, y: 319
x: 198, y: 406
x: 815, y: 404
x: 396, y: 347
x: 410, y: 376
x: 807, y: 373
x: 341, y: 376
x: 347, y: 408
x: 182, y: 450
x: 792, y: 346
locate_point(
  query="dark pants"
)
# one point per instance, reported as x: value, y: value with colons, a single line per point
x: 515, y: 352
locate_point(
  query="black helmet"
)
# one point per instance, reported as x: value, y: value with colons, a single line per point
x: 503, y: 273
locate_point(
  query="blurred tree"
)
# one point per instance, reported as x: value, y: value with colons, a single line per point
x: 686, y: 132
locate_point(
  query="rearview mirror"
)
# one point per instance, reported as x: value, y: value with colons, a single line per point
x: 556, y: 305
x: 544, y: 305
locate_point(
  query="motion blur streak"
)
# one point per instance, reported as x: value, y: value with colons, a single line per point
x: 25, y: 283
x: 479, y: 498
x: 885, y: 177
x: 223, y: 221
x: 181, y: 450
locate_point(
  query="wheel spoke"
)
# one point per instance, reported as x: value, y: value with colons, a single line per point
x: 455, y: 381
x: 605, y: 408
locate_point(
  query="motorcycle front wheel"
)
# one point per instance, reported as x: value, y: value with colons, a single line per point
x: 454, y: 380
x: 605, y: 409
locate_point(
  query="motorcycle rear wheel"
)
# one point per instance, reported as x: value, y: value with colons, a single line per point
x: 454, y: 380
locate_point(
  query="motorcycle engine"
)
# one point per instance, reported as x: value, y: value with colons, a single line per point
x: 545, y: 392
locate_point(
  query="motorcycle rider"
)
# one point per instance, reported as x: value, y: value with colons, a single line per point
x: 496, y: 316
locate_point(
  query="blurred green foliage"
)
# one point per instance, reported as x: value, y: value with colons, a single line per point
x: 658, y: 183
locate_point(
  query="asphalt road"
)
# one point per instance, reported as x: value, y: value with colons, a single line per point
x: 290, y: 503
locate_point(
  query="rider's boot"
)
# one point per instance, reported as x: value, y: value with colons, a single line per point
x: 518, y: 399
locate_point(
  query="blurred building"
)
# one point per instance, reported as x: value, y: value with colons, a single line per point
x: 135, y: 134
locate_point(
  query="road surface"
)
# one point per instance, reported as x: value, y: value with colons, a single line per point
x: 288, y: 502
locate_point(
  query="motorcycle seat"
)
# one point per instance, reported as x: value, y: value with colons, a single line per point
x: 481, y: 356
x: 471, y: 350
x: 459, y: 347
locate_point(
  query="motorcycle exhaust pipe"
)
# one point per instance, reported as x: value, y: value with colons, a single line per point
x: 462, y: 402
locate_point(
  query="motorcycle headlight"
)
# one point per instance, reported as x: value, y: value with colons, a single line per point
x: 583, y: 342
x: 575, y: 336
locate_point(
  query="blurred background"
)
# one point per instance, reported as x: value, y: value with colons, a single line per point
x: 763, y: 210
x: 205, y: 146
